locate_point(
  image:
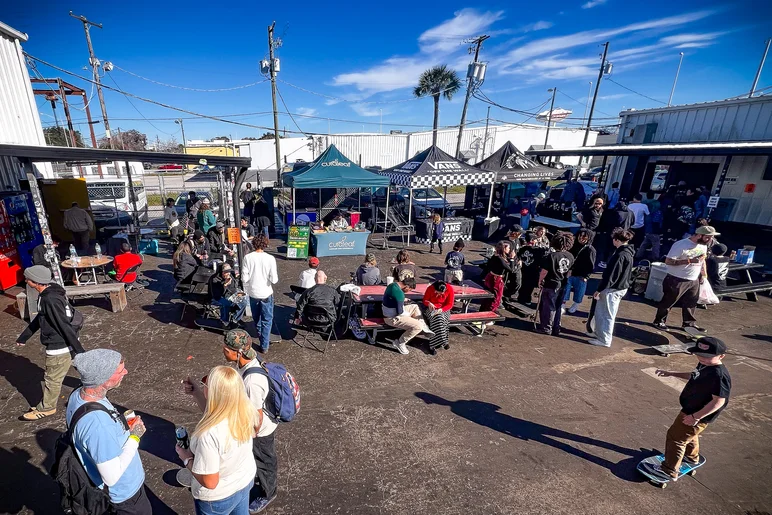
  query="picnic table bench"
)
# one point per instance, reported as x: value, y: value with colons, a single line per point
x: 746, y: 285
x: 115, y: 292
x: 475, y: 321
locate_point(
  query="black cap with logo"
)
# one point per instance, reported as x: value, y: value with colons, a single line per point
x: 707, y: 347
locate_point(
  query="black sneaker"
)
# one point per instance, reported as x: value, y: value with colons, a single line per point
x: 433, y: 352
x: 446, y: 346
x: 660, y: 325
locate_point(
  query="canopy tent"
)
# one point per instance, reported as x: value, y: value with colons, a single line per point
x: 433, y: 167
x: 511, y: 165
x: 333, y: 170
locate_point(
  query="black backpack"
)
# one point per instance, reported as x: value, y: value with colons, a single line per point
x: 79, y: 495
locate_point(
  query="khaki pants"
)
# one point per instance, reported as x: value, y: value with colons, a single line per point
x: 410, y: 320
x: 454, y: 276
x: 682, y: 442
x: 56, y: 370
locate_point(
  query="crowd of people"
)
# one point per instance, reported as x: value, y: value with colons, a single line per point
x: 527, y: 267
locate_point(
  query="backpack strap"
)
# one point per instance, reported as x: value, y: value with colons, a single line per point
x: 85, y: 409
x: 263, y: 372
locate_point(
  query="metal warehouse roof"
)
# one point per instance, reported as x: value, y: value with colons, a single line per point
x: 10, y: 31
x: 91, y: 155
x: 697, y: 105
x: 750, y: 148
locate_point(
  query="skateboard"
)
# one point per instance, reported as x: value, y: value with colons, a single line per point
x: 679, y: 348
x: 646, y: 464
x: 521, y: 309
x: 590, y: 324
x: 535, y: 317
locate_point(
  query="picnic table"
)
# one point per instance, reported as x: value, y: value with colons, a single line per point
x: 467, y: 290
x: 87, y: 266
x: 553, y: 223
x: 745, y: 281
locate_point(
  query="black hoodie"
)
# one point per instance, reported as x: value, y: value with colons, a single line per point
x: 584, y: 260
x: 619, y: 272
x: 54, y: 321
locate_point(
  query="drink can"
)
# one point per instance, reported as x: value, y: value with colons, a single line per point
x: 182, y: 437
x: 131, y: 417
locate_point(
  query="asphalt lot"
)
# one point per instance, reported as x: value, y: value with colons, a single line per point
x: 511, y: 422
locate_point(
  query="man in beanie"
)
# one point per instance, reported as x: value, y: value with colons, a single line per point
x: 705, y: 395
x: 200, y: 246
x: 237, y: 348
x: 57, y: 335
x: 105, y: 443
x: 216, y: 238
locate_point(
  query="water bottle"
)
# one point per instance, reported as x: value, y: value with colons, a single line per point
x: 182, y: 437
x: 98, y: 251
x: 73, y: 255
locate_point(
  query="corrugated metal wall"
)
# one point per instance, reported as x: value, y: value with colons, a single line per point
x: 714, y: 122
x: 19, y: 118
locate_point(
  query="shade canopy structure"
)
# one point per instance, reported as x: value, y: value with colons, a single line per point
x: 333, y: 170
x: 511, y: 165
x: 433, y: 167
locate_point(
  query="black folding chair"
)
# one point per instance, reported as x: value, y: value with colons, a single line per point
x: 316, y: 321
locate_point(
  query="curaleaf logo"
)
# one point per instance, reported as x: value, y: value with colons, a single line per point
x: 341, y: 244
x: 335, y: 162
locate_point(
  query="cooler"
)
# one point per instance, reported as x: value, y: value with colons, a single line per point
x: 354, y: 217
x: 657, y: 274
x: 10, y: 269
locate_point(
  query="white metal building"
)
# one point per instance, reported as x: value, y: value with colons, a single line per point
x: 386, y: 150
x: 746, y: 194
x: 19, y: 118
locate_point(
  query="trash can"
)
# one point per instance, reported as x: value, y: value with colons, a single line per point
x: 657, y: 274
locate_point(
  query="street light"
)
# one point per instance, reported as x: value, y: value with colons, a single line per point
x: 549, y: 119
x: 182, y: 128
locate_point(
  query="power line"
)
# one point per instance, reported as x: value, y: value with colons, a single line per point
x: 137, y: 110
x: 584, y: 104
x: 185, y: 87
x: 637, y: 93
x: 290, y: 114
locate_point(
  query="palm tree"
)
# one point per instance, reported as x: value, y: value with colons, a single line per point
x: 436, y: 81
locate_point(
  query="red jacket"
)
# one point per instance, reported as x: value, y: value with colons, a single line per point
x: 440, y: 300
x: 123, y: 262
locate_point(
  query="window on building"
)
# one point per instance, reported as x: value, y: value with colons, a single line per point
x: 659, y: 178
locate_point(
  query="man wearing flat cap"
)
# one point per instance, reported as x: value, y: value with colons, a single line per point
x: 106, y: 444
x: 57, y: 334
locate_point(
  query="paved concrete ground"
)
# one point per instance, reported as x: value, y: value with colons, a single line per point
x: 511, y: 422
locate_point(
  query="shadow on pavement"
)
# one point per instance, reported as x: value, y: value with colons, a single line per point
x: 487, y: 414
x: 27, y: 377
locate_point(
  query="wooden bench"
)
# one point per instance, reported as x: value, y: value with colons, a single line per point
x: 373, y: 325
x: 116, y: 292
x: 749, y: 289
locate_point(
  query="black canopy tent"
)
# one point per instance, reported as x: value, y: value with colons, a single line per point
x: 236, y: 168
x: 511, y: 165
x: 433, y: 167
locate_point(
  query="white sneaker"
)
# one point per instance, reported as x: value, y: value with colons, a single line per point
x: 562, y: 311
x: 573, y: 308
x: 400, y: 347
x: 593, y: 341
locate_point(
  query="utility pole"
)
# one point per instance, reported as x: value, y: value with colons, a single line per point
x: 272, y: 70
x: 678, y: 70
x: 587, y: 103
x: 549, y: 119
x: 182, y: 128
x: 94, y: 62
x: 471, y: 80
x: 761, y: 67
x: 595, y: 95
x: 485, y: 138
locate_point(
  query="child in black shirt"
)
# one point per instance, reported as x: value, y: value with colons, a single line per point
x: 717, y: 266
x: 530, y: 258
x: 454, y: 262
x: 557, y: 264
x: 702, y: 399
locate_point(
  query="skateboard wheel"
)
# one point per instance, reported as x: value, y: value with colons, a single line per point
x: 663, y: 485
x: 692, y: 472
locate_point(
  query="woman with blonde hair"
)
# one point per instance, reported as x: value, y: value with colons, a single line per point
x: 220, y: 454
x: 183, y: 262
x: 437, y: 229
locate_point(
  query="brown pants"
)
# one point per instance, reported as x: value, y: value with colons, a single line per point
x: 682, y: 442
x: 56, y: 370
x: 677, y: 290
x: 410, y: 320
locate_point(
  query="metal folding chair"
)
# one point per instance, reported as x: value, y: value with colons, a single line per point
x: 316, y: 321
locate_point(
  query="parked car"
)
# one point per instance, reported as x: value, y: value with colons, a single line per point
x: 170, y: 167
x: 113, y: 193
x: 426, y: 201
x: 554, y: 192
x: 105, y: 216
x: 182, y: 199
x: 591, y: 175
x: 659, y: 181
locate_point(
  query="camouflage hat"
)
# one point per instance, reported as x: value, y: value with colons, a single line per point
x: 239, y: 340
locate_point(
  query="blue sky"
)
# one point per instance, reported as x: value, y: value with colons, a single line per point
x: 362, y: 58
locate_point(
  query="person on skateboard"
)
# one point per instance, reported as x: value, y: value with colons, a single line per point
x: 705, y: 395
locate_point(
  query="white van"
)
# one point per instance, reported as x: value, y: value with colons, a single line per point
x: 113, y: 193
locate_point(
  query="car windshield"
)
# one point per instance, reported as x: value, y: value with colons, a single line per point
x: 426, y: 194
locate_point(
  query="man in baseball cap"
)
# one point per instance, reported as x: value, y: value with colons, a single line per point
x: 308, y: 276
x: 57, y: 335
x: 237, y: 349
x: 705, y: 395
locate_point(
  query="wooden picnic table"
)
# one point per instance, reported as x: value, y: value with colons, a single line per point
x: 466, y: 291
x: 87, y: 265
x: 746, y: 277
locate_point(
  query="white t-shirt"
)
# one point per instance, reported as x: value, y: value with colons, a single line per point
x: 639, y: 210
x: 686, y: 249
x: 259, y: 274
x: 257, y: 388
x: 308, y: 278
x: 218, y: 452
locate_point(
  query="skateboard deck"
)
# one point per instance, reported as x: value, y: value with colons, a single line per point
x: 590, y: 324
x: 646, y: 464
x: 679, y: 348
x: 521, y: 309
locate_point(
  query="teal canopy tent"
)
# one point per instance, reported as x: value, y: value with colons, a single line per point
x: 333, y: 170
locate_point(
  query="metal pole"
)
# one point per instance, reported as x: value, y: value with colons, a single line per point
x: 409, y: 205
x: 469, y: 87
x: 490, y: 198
x: 595, y: 96
x: 485, y: 138
x: 385, y: 222
x: 66, y: 106
x: 721, y: 179
x: 40, y: 210
x: 602, y: 173
x: 678, y: 70
x: 294, y: 214
x: 445, y: 194
x: 272, y: 69
x: 132, y: 195
x: 587, y: 103
x: 94, y: 62
x: 549, y: 121
x: 761, y: 67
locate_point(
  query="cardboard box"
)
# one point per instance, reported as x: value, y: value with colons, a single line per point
x: 745, y: 256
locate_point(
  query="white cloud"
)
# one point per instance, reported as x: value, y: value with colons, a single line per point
x: 447, y: 36
x: 306, y: 111
x: 394, y: 73
x: 613, y: 97
x: 695, y: 45
x: 539, y: 25
x: 545, y: 46
x: 680, y: 39
x: 366, y: 109
x: 593, y: 3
